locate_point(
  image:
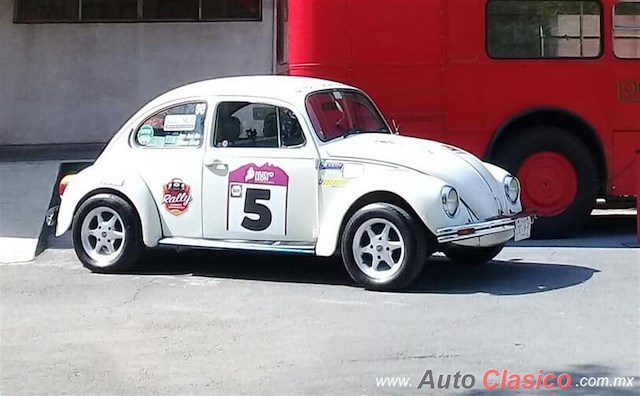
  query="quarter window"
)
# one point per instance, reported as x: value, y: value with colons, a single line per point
x: 35, y: 11
x: 527, y: 29
x: 178, y: 126
x: 245, y: 124
x: 626, y: 30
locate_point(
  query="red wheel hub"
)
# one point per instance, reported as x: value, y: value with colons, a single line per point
x: 549, y: 183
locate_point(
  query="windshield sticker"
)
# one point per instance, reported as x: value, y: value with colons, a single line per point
x: 177, y: 196
x: 145, y: 134
x: 180, y: 122
x: 257, y: 199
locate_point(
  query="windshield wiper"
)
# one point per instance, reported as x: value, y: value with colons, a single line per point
x: 357, y: 131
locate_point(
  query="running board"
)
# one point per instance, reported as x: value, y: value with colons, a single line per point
x: 270, y: 246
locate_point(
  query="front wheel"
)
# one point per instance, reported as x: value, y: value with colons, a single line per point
x: 464, y: 255
x: 107, y: 234
x: 383, y: 247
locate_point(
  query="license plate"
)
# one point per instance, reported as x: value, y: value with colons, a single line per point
x: 523, y: 229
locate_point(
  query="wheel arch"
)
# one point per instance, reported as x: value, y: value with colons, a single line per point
x: 139, y: 198
x: 557, y: 117
x: 377, y: 196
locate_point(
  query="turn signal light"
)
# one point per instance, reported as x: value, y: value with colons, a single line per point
x: 466, y: 231
x: 63, y: 184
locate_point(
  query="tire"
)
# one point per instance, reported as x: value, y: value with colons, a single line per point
x: 123, y: 233
x: 559, y: 178
x: 463, y: 255
x: 405, y: 241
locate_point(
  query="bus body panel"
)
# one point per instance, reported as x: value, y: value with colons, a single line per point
x: 426, y: 64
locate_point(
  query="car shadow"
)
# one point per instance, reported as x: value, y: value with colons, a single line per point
x: 440, y: 276
x: 604, y: 230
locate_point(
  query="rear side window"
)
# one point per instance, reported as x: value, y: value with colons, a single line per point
x: 528, y: 29
x: 626, y: 30
x: 177, y: 126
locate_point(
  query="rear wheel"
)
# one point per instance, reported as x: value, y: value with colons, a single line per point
x: 558, y: 175
x: 472, y: 255
x: 107, y: 235
x: 383, y: 247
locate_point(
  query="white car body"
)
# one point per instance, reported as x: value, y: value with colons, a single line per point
x: 320, y: 183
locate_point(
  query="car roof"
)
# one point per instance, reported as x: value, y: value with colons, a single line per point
x: 287, y: 88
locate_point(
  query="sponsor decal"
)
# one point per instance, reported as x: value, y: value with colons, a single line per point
x: 328, y: 165
x: 180, y: 122
x: 340, y: 182
x: 201, y: 108
x: 177, y: 196
x: 266, y: 174
x: 235, y: 190
x: 145, y: 134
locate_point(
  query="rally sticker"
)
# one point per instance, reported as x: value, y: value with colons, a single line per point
x: 177, y: 196
x: 258, y: 199
x: 180, y: 122
x: 145, y: 134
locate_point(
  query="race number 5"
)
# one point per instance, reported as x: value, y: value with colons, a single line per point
x: 251, y: 205
x: 258, y: 200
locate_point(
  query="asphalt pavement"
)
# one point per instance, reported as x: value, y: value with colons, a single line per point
x: 202, y: 322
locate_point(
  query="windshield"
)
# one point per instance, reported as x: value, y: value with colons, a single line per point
x: 340, y: 113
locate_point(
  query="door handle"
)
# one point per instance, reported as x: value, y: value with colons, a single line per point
x: 217, y: 166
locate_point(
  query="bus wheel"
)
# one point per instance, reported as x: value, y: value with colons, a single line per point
x: 558, y: 176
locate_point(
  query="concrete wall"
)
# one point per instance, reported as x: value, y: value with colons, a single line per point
x: 77, y: 83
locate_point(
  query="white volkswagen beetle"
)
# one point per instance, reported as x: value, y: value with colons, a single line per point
x: 286, y: 164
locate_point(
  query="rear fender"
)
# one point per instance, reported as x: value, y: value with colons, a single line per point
x: 92, y: 181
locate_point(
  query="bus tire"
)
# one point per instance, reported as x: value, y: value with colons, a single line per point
x: 559, y: 178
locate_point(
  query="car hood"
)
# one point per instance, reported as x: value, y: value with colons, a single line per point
x: 477, y: 187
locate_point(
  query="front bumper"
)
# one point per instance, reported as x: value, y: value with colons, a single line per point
x: 485, y: 233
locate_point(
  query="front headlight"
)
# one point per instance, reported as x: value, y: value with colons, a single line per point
x: 512, y: 188
x: 450, y: 201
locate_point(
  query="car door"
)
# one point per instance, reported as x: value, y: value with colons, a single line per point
x: 168, y: 152
x: 260, y: 174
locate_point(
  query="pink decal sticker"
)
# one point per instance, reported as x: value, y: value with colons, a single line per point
x: 265, y: 174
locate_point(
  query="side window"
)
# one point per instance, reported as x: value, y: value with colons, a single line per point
x: 626, y: 30
x: 532, y: 29
x: 245, y: 124
x: 178, y: 126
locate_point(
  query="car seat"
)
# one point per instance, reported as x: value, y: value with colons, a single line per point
x: 229, y: 129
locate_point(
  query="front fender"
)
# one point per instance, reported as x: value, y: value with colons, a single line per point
x: 420, y: 191
x: 92, y: 180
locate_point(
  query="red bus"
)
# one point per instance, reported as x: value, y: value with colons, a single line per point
x: 548, y: 89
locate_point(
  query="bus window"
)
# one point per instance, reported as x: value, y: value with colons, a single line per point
x: 518, y: 29
x: 626, y: 30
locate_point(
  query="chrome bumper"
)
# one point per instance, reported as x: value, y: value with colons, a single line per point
x: 491, y: 232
